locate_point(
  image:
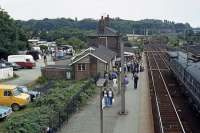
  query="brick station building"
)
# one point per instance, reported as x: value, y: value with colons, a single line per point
x: 105, y: 36
x: 93, y: 62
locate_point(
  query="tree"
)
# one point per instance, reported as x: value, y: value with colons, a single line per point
x: 12, y: 37
x: 43, y: 48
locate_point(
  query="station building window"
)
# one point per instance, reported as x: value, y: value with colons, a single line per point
x: 81, y: 67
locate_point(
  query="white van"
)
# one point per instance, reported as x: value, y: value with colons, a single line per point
x: 26, y: 61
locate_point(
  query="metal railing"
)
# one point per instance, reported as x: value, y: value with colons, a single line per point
x: 63, y: 115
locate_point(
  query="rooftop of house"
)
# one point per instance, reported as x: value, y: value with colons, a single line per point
x: 104, y: 53
x: 108, y: 32
x: 101, y: 53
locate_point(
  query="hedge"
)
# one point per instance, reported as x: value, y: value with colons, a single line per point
x: 50, y: 109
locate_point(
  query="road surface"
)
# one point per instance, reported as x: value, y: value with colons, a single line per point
x: 28, y: 75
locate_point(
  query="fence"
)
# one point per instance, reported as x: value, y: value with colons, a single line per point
x: 57, y: 72
x: 60, y: 116
x: 44, y: 88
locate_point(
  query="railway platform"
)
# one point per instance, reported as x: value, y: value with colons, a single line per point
x: 138, y: 105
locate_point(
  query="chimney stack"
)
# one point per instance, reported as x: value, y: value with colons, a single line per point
x: 101, y: 25
x: 107, y: 20
x: 103, y: 22
x: 101, y: 17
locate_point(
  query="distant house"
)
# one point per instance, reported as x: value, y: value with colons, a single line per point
x: 92, y: 62
x: 132, y: 37
x: 33, y: 42
x: 36, y: 43
x: 105, y: 36
x: 196, y: 30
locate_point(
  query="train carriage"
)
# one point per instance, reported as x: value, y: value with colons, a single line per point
x: 188, y: 72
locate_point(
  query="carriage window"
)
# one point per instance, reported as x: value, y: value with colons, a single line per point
x: 27, y: 60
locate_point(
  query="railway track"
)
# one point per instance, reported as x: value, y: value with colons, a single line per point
x: 166, y: 117
x: 186, y: 115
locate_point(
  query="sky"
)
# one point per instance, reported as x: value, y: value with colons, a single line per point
x: 173, y: 10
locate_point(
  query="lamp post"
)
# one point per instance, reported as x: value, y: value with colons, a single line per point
x: 122, y: 84
x: 101, y: 84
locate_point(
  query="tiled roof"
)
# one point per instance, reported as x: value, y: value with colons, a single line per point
x: 107, y: 32
x: 110, y: 31
x: 102, y: 53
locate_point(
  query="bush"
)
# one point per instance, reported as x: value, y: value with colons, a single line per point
x: 41, y: 80
x: 50, y: 109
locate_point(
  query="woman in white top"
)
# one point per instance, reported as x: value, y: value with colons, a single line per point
x: 115, y: 85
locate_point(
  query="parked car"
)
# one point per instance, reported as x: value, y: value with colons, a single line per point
x: 13, y: 65
x: 70, y: 51
x: 3, y: 65
x: 25, y: 61
x: 5, y: 111
x: 11, y: 96
x: 33, y: 94
x: 2, y: 60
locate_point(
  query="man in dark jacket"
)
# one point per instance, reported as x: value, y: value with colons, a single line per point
x: 136, y: 78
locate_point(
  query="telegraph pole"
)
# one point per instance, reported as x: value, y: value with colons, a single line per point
x: 123, y: 111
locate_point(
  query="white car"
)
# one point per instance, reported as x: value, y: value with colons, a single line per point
x: 33, y: 94
x: 5, y: 111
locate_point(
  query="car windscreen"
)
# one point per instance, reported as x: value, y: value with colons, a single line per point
x: 16, y: 92
x: 24, y: 89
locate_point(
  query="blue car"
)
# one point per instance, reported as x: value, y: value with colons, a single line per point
x: 5, y: 111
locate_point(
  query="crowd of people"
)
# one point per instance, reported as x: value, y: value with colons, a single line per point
x: 133, y: 66
x: 113, y: 77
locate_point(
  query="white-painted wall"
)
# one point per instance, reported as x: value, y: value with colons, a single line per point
x: 6, y: 73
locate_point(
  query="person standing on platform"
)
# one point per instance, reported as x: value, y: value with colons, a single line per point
x: 114, y: 75
x: 133, y: 73
x: 128, y: 67
x: 136, y: 78
x: 105, y: 97
x: 126, y: 81
x: 45, y: 60
x: 110, y: 97
x: 137, y: 67
x: 115, y: 86
x: 106, y: 76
